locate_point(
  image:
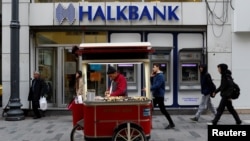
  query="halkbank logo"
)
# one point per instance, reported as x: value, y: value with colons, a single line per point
x: 65, y: 13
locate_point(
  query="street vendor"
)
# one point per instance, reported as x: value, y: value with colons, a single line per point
x: 118, y: 86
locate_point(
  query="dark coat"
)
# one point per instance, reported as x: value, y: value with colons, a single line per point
x: 226, y: 85
x: 206, y: 81
x: 38, y: 90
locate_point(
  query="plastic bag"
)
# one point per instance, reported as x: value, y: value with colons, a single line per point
x: 43, y: 103
x: 79, y: 99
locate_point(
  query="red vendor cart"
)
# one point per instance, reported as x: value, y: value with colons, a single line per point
x: 120, y: 118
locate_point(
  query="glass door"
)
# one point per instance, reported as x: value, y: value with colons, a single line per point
x: 46, y: 67
x: 58, y: 66
x: 70, y: 68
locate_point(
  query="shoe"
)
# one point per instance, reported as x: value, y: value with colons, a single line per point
x: 239, y: 122
x: 214, y: 122
x: 170, y: 126
x: 194, y: 119
x: 209, y: 123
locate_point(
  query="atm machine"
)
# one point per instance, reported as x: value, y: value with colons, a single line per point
x: 129, y: 70
x: 189, y: 76
x: 162, y: 56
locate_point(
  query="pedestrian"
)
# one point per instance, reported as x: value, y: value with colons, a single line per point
x: 79, y: 84
x: 207, y: 89
x: 36, y: 91
x: 225, y: 88
x: 118, y: 86
x: 158, y: 92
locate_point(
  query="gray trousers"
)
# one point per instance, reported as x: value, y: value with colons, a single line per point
x: 204, y: 105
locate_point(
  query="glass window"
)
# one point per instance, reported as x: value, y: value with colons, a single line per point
x: 173, y: 0
x: 70, y: 68
x: 46, y: 67
x: 164, y: 69
x: 96, y: 78
x: 113, y: 0
x: 46, y: 1
x: 71, y: 37
x: 95, y: 37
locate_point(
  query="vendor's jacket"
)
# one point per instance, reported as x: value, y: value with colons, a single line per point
x: 119, y: 86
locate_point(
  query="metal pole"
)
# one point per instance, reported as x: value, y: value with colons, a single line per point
x: 14, y: 113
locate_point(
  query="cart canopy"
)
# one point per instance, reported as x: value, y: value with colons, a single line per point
x: 131, y: 50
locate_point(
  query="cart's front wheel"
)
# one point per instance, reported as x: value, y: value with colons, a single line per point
x: 77, y: 133
x: 129, y: 132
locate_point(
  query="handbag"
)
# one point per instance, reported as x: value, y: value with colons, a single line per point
x: 43, y: 103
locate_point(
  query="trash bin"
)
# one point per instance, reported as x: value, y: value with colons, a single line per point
x: 77, y: 112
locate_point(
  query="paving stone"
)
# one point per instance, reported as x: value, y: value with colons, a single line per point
x: 58, y: 128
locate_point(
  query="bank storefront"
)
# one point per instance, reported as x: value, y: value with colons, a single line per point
x: 176, y: 31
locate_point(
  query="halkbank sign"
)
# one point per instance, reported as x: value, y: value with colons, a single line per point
x: 123, y: 12
x: 130, y: 12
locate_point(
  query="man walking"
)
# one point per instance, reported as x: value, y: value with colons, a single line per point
x: 158, y: 91
x: 36, y: 91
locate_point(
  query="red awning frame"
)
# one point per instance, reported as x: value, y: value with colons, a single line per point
x: 131, y: 47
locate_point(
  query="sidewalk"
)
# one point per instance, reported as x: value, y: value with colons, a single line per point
x: 58, y: 128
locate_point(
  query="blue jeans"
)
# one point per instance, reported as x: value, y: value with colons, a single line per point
x: 204, y: 105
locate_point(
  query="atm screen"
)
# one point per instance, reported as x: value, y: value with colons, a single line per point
x: 189, y: 71
x: 164, y: 70
x: 163, y: 67
x: 128, y: 70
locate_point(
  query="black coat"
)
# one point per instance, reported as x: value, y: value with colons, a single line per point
x: 206, y: 84
x: 226, y: 85
x: 38, y: 90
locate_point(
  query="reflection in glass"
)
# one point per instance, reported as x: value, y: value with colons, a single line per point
x: 46, y: 67
x: 189, y: 72
x: 164, y: 70
x: 96, y: 78
x: 172, y: 0
x: 47, y: 1
x: 70, y: 69
x: 69, y: 37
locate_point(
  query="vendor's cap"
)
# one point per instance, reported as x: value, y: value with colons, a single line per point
x: 111, y: 70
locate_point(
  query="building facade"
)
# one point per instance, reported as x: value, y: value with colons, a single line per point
x: 184, y: 34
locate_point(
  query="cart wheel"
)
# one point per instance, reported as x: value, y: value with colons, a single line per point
x: 129, y: 132
x: 77, y: 133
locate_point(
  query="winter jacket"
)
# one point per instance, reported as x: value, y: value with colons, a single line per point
x: 206, y: 81
x: 226, y: 85
x: 119, y: 86
x: 158, y: 85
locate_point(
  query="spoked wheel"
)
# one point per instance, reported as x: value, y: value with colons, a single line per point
x: 77, y: 133
x: 129, y: 132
